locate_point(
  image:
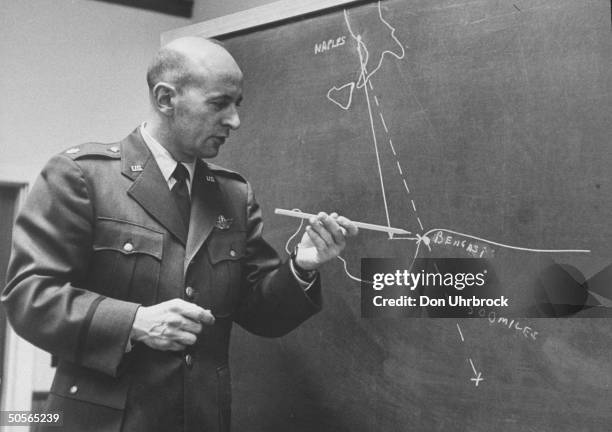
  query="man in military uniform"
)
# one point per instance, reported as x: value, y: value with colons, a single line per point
x: 132, y: 260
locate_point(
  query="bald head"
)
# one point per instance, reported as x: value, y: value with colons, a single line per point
x: 188, y: 61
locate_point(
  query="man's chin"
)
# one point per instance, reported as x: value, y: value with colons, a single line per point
x: 209, y: 154
x: 210, y: 148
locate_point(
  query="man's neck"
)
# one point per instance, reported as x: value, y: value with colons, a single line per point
x: 158, y: 132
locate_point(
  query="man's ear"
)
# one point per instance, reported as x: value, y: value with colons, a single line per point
x: 164, y: 97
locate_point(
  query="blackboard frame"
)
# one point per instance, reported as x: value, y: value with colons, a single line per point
x: 253, y: 18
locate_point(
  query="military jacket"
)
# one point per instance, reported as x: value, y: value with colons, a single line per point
x: 97, y: 237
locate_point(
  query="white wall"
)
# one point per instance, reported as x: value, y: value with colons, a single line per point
x: 72, y: 71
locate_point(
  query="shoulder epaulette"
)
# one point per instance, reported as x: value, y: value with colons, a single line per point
x: 95, y: 150
x: 219, y: 170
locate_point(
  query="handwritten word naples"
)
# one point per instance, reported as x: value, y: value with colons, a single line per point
x: 329, y: 44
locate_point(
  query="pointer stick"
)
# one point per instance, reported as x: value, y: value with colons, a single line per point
x: 361, y: 225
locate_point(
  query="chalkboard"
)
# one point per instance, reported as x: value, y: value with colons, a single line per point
x: 487, y: 121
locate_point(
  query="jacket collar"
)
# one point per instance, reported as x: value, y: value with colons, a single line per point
x: 149, y: 188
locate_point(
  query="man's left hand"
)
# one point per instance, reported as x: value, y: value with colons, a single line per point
x: 323, y: 240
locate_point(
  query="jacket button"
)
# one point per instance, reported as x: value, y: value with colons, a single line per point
x: 73, y: 389
x: 128, y: 247
x: 189, y: 292
x: 232, y: 253
x: 189, y: 360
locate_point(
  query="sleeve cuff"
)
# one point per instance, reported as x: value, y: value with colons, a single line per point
x: 108, y: 335
x: 305, y: 285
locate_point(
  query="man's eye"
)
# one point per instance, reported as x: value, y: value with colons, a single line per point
x: 218, y: 105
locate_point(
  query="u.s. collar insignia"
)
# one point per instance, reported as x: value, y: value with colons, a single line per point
x: 223, y: 223
x: 210, y: 178
x: 136, y: 168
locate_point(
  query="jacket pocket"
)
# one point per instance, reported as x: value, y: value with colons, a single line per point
x: 89, y: 400
x: 226, y: 252
x: 124, y: 253
x: 86, y: 385
x: 224, y: 397
x: 226, y: 246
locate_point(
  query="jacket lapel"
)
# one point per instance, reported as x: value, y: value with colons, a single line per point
x: 206, y: 207
x: 150, y: 189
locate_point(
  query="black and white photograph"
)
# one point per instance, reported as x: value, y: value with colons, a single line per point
x: 300, y: 216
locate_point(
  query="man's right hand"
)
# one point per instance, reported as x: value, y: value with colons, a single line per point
x: 171, y: 325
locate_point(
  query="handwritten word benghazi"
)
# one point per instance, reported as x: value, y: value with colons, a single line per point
x: 411, y: 280
x: 425, y: 301
x: 474, y: 248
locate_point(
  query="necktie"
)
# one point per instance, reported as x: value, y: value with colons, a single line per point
x: 180, y: 192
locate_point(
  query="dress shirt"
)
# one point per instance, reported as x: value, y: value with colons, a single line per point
x: 165, y: 161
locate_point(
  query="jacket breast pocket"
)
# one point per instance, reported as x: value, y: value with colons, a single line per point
x: 226, y: 251
x: 126, y: 260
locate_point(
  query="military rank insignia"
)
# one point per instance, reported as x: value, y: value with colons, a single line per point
x: 223, y: 223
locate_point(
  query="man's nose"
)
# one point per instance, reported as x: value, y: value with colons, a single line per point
x: 232, y: 119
